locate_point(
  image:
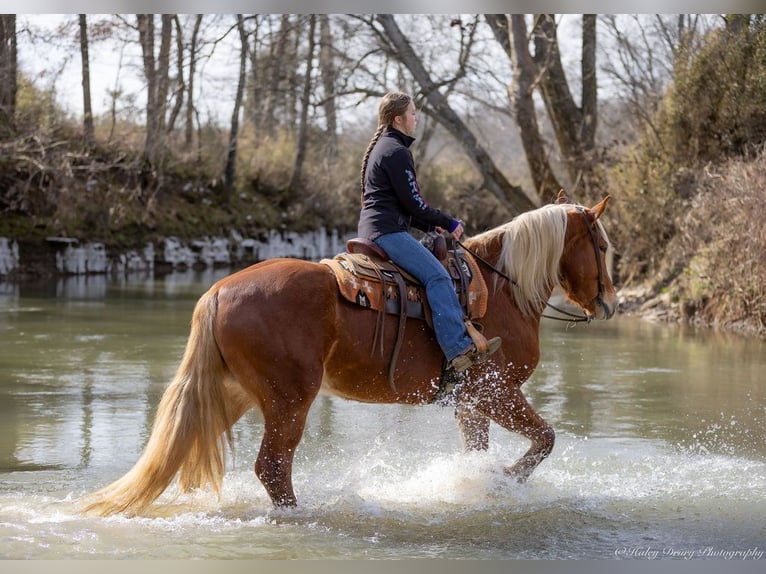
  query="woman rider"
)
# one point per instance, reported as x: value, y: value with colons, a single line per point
x: 391, y: 204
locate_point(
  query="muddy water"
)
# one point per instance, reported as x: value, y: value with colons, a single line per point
x: 660, y: 452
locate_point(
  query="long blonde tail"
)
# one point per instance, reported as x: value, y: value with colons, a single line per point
x: 191, y: 428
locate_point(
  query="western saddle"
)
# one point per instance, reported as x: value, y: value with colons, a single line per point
x: 366, y: 276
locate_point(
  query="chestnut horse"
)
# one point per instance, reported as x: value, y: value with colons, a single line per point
x: 273, y: 335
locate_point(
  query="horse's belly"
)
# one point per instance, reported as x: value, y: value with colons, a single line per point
x: 355, y: 371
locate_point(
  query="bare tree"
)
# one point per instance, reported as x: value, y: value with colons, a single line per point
x: 574, y: 126
x: 640, y: 52
x: 156, y: 71
x: 511, y: 33
x: 189, y: 127
x: 329, y: 78
x: 231, y: 156
x: 180, y: 88
x: 277, y: 57
x: 146, y: 37
x: 510, y: 196
x: 114, y: 95
x: 277, y: 73
x: 163, y: 74
x: 302, y: 137
x: 255, y: 92
x: 8, y: 71
x: 87, y: 107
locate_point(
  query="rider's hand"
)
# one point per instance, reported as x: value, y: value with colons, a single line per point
x: 456, y: 234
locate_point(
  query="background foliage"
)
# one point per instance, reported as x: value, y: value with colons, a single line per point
x: 680, y: 143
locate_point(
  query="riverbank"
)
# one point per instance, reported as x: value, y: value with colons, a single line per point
x: 646, y: 303
x: 66, y: 256
x: 23, y: 262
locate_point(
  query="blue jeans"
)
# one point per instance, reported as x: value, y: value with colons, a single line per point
x: 409, y: 254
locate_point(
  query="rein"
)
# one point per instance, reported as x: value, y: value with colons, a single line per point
x: 569, y: 317
x: 487, y: 263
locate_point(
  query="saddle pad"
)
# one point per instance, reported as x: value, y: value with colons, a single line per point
x: 370, y: 283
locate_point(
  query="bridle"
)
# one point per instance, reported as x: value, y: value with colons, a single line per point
x: 586, y: 317
x: 569, y: 317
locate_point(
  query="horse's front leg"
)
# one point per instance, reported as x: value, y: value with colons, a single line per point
x: 511, y: 410
x: 525, y: 420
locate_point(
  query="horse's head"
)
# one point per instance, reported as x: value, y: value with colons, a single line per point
x: 584, y: 273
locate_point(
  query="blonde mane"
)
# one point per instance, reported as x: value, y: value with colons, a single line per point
x: 533, y: 243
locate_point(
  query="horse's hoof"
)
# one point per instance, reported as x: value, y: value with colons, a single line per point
x: 520, y: 476
x: 285, y: 502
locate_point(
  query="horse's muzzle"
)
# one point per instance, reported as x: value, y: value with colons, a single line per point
x: 603, y: 309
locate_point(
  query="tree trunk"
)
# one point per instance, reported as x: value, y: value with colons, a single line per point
x: 181, y: 86
x: 512, y: 197
x: 574, y: 127
x: 276, y: 77
x: 574, y: 131
x: 8, y: 71
x: 156, y: 72
x: 293, y: 83
x: 253, y: 101
x: 511, y: 32
x: 163, y: 74
x: 589, y: 84
x: 189, y: 131
x: 146, y: 37
x: 114, y: 95
x: 301, y: 141
x: 88, y: 131
x: 329, y: 74
x: 231, y: 156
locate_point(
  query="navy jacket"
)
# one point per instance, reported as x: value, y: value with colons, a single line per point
x: 391, y: 201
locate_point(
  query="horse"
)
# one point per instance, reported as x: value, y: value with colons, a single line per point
x: 275, y: 334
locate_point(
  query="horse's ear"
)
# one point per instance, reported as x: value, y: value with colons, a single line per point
x: 598, y: 209
x: 562, y: 197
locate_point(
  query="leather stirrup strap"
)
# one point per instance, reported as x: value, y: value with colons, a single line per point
x: 482, y: 345
x: 463, y: 285
x: 380, y: 321
x: 400, y: 333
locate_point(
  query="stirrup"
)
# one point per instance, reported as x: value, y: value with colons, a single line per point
x: 473, y: 357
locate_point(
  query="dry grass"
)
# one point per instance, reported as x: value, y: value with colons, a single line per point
x: 723, y: 238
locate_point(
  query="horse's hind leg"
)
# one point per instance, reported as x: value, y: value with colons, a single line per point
x: 283, y: 429
x: 474, y: 427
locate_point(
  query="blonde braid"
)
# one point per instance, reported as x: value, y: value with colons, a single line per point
x: 373, y: 141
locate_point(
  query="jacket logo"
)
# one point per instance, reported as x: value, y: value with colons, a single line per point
x: 414, y: 189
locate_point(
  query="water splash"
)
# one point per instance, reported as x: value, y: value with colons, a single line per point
x: 385, y: 500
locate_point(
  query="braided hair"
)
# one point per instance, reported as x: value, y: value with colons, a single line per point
x: 393, y: 104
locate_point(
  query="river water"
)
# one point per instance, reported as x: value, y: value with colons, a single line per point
x: 660, y: 452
